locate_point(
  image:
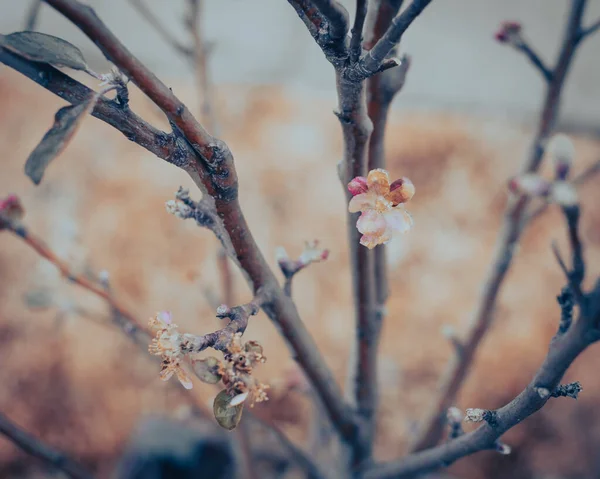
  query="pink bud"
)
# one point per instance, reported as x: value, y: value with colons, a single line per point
x: 401, y: 191
x: 509, y: 32
x: 529, y: 184
x: 165, y: 317
x: 358, y: 185
x: 562, y: 151
x: 11, y: 208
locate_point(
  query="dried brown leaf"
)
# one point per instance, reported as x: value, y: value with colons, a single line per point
x: 227, y: 416
x: 40, y: 47
x: 66, y: 123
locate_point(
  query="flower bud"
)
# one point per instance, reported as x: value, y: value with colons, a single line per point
x: 401, y: 191
x: 529, y: 184
x: 358, y: 185
x: 11, y: 208
x: 454, y: 415
x: 509, y: 32
x: 561, y: 149
x: 178, y: 208
x: 564, y: 194
x: 475, y: 415
x: 502, y: 448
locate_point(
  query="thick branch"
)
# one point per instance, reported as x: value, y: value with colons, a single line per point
x: 336, y: 15
x: 372, y: 61
x: 507, y: 242
x: 31, y: 445
x: 356, y: 129
x: 298, y: 455
x: 216, y: 174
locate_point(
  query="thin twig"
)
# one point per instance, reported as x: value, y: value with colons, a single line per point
x: 594, y: 27
x: 214, y: 173
x: 226, y: 277
x: 156, y: 23
x: 32, y: 445
x: 200, y: 63
x: 357, y: 30
x: 507, y: 242
x: 589, y: 173
x: 298, y: 455
x: 535, y: 60
x: 33, y: 14
x: 372, y: 61
x: 133, y: 326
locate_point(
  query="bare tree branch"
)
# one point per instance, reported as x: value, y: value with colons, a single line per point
x: 563, y: 350
x: 298, y: 455
x: 535, y: 60
x: 31, y: 445
x: 381, y: 90
x: 138, y: 333
x: 214, y: 172
x: 372, y: 61
x: 163, y: 145
x: 131, y: 325
x: 593, y: 28
x: 507, y: 241
x: 357, y: 30
x: 200, y: 61
x: 356, y: 130
x: 336, y: 15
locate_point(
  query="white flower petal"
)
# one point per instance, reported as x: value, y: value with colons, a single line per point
x: 239, y: 399
x: 398, y: 220
x: 371, y: 222
x: 362, y: 202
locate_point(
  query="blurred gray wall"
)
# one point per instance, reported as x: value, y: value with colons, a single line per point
x: 457, y: 65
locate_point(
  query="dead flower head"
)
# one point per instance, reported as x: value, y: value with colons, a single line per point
x: 169, y: 344
x: 382, y: 206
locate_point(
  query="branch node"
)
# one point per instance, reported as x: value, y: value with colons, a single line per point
x: 566, y: 303
x: 570, y: 390
x: 454, y: 417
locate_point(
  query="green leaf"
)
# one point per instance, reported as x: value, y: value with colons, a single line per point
x: 207, y: 370
x: 40, y: 47
x: 66, y: 123
x: 227, y: 416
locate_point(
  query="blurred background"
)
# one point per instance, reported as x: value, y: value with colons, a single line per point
x: 460, y: 128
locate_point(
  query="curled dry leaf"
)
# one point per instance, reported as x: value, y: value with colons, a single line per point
x: 40, y: 47
x: 207, y: 370
x: 66, y: 123
x: 227, y: 415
